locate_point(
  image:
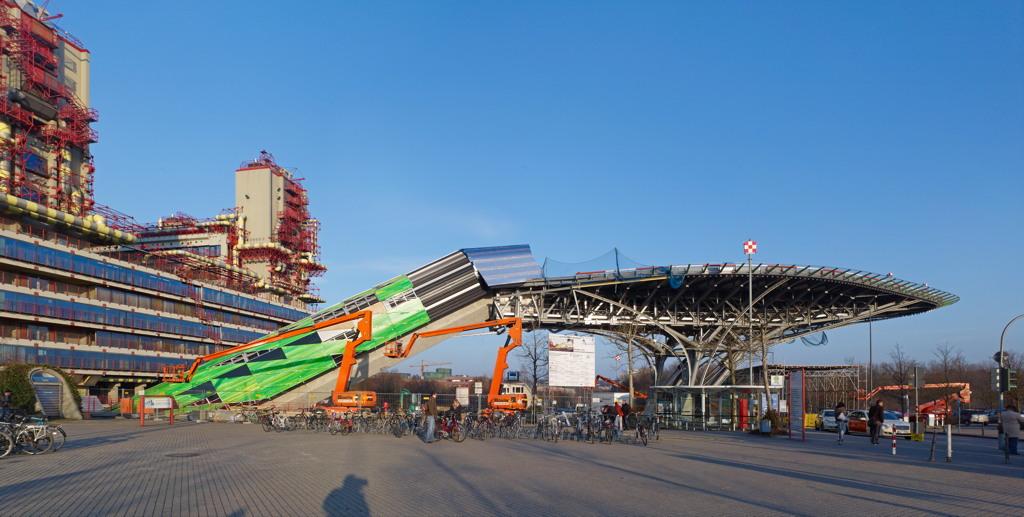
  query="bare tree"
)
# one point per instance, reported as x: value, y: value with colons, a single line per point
x: 534, y: 354
x: 900, y: 369
x: 951, y: 366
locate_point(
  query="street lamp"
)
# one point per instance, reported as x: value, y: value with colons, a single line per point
x: 1001, y: 359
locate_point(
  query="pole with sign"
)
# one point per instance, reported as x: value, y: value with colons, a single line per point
x: 478, y: 388
x: 749, y: 249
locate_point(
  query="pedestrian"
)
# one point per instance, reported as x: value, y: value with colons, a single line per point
x: 618, y: 418
x: 385, y: 407
x: 6, y: 403
x: 1010, y: 419
x: 429, y: 414
x: 876, y: 416
x: 457, y: 410
x: 842, y: 421
x: 626, y: 410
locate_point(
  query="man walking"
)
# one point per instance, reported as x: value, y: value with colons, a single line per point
x: 876, y: 415
x: 1010, y: 419
x: 429, y: 413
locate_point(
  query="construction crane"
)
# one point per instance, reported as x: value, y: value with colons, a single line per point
x: 423, y: 367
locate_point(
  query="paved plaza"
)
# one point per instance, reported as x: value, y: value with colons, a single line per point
x: 115, y: 468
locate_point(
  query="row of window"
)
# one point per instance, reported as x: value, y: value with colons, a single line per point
x: 35, y: 332
x: 185, y: 309
x: 43, y: 333
x: 245, y: 303
x: 156, y: 344
x: 28, y: 304
x: 118, y: 296
x: 20, y: 250
x: 86, y: 360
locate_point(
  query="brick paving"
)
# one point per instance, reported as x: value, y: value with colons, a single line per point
x: 114, y: 468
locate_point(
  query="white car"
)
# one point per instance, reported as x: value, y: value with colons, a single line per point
x: 893, y: 423
x: 826, y: 420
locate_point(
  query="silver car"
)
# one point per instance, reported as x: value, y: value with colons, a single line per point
x: 826, y: 420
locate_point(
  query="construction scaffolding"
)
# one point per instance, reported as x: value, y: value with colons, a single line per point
x: 46, y: 129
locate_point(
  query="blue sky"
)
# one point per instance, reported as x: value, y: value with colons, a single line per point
x: 884, y: 136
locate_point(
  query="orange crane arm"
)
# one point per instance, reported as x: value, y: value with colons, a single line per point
x: 515, y: 338
x: 365, y: 327
x: 260, y: 341
x: 616, y: 384
x: 965, y: 387
x: 403, y: 351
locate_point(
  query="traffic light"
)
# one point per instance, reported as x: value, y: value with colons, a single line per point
x: 1004, y: 380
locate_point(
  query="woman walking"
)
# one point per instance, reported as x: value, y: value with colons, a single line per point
x: 842, y: 421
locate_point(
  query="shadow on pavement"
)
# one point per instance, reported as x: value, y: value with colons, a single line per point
x: 466, y: 484
x: 672, y: 483
x: 348, y: 499
x: 871, y: 486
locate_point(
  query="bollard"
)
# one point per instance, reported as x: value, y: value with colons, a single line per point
x: 949, y: 443
x: 894, y: 441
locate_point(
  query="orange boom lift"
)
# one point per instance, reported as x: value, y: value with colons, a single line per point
x: 495, y: 399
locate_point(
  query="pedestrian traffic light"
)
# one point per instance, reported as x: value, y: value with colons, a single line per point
x: 997, y: 380
x: 1004, y: 380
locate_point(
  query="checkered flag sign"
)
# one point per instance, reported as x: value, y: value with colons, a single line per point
x: 750, y: 247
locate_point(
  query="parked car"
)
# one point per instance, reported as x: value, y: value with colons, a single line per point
x: 826, y: 420
x: 973, y: 416
x: 893, y: 423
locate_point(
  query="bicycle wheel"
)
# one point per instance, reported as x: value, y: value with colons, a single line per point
x: 641, y: 432
x: 58, y: 437
x: 6, y: 443
x: 457, y: 433
x: 25, y: 440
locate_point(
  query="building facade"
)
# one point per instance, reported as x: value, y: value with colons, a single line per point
x: 115, y: 303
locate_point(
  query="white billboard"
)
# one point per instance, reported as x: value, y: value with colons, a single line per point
x: 571, y: 361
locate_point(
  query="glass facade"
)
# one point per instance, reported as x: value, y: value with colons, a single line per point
x: 74, y: 311
x: 58, y: 259
x: 86, y: 360
x: 117, y: 306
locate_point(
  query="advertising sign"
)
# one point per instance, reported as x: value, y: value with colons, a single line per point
x: 157, y: 403
x: 462, y: 395
x: 571, y: 361
x: 796, y: 403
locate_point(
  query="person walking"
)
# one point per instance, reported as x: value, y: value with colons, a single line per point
x: 429, y: 415
x: 876, y: 415
x: 6, y: 403
x: 1010, y: 419
x: 842, y: 421
x: 618, y: 419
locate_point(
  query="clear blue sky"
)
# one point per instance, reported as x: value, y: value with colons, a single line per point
x: 881, y: 136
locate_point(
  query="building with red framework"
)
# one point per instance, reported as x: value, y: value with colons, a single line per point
x: 83, y: 287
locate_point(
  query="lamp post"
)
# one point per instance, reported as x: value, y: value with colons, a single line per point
x: 1001, y: 359
x: 749, y: 249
